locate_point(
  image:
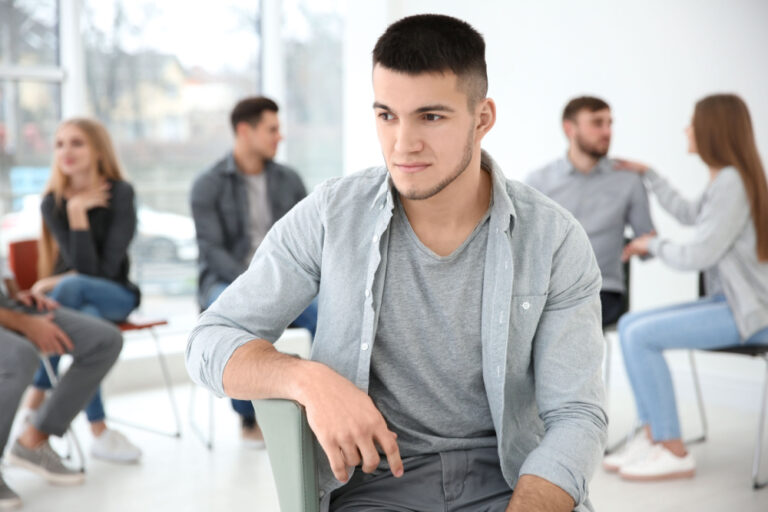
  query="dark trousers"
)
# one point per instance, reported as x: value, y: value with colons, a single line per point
x: 613, y: 306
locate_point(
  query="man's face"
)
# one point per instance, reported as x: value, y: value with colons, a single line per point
x: 263, y: 138
x: 426, y: 131
x: 591, y: 132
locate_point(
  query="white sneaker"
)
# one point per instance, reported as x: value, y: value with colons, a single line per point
x: 113, y: 446
x: 659, y: 464
x: 635, y: 449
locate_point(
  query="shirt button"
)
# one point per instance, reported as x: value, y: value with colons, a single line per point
x: 364, y: 346
x: 367, y: 292
x: 322, y: 493
x: 526, y: 305
x: 375, y: 238
x: 381, y: 207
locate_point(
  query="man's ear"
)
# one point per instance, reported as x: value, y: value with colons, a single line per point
x: 486, y: 117
x: 568, y: 128
x: 241, y: 129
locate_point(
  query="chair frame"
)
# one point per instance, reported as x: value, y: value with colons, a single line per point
x: 22, y: 258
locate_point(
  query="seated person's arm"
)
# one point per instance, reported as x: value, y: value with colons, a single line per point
x: 39, y: 329
x: 230, y: 350
x: 210, y: 232
x: 567, y: 358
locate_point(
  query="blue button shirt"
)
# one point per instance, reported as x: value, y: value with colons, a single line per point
x: 542, y: 344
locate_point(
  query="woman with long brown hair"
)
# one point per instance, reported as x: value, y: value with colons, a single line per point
x: 730, y: 246
x: 89, y: 219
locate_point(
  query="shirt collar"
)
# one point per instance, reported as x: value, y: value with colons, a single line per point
x: 566, y: 167
x: 230, y: 166
x: 502, y: 206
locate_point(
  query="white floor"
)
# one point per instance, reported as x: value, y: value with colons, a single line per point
x: 180, y: 474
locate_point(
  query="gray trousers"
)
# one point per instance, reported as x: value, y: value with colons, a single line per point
x: 97, y: 345
x: 456, y: 481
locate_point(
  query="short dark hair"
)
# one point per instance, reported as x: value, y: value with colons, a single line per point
x: 249, y: 110
x: 576, y: 105
x: 427, y: 43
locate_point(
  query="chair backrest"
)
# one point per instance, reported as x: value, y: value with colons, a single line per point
x: 22, y: 258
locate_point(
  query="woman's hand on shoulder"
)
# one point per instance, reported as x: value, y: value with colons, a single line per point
x: 621, y: 164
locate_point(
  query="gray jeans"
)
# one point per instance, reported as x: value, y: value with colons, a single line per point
x: 97, y: 345
x: 456, y: 481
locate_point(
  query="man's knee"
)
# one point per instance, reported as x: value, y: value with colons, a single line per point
x: 19, y: 361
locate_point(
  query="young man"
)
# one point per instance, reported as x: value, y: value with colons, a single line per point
x: 29, y: 326
x: 458, y: 352
x: 602, y: 200
x: 235, y: 203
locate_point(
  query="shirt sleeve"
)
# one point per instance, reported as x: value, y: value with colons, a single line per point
x: 720, y: 221
x: 682, y: 209
x: 209, y: 232
x: 639, y: 213
x: 567, y: 358
x: 281, y: 281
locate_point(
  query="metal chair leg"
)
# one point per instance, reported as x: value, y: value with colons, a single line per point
x: 756, y: 483
x: 71, y: 437
x: 607, y: 370
x: 171, y: 397
x: 206, y: 440
x: 700, y: 401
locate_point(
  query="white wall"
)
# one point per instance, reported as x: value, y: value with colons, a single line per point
x: 650, y: 60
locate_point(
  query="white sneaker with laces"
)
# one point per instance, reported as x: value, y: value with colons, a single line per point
x: 659, y: 464
x: 113, y: 446
x: 635, y: 449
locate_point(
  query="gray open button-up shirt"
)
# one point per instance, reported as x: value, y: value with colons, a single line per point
x: 541, y: 338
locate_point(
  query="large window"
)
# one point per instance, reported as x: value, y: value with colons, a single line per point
x: 312, y: 37
x: 163, y: 78
x: 29, y: 110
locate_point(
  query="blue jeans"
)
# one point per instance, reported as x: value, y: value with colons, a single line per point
x: 704, y: 324
x: 307, y: 319
x: 96, y: 297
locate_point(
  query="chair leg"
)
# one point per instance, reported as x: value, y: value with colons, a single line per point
x: 607, y: 374
x: 756, y: 483
x: 700, y: 401
x: 71, y: 437
x: 206, y: 440
x: 168, y: 387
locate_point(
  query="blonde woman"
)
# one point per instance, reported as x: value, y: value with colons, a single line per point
x: 730, y: 245
x: 89, y: 219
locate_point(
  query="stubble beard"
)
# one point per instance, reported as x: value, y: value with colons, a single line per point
x: 418, y: 195
x: 591, y: 149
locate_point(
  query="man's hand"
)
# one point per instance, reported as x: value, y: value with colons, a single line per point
x: 33, y: 299
x: 46, y: 335
x: 535, y: 493
x: 347, y: 424
x: 628, y: 165
x: 637, y: 247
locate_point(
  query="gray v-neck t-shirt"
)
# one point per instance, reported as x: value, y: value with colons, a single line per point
x: 426, y: 365
x: 259, y: 210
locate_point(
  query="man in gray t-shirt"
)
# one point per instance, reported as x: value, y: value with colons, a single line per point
x: 604, y: 201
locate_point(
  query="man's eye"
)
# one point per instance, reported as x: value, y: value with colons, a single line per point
x: 432, y: 117
x: 386, y: 116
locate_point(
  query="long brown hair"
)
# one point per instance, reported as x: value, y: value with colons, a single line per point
x: 107, y: 167
x: 724, y: 137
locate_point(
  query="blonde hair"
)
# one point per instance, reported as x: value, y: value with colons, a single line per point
x: 107, y: 167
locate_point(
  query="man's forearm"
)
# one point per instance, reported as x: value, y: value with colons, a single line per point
x: 12, y: 320
x: 535, y: 493
x: 257, y: 370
